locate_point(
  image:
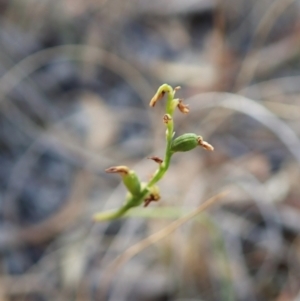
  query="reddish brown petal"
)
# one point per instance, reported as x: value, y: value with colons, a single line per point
x: 123, y: 170
x: 156, y: 159
x: 167, y: 118
x: 156, y: 98
x: 151, y: 198
x: 206, y: 146
x: 182, y: 107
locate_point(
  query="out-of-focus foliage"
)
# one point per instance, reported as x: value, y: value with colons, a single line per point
x: 76, y: 80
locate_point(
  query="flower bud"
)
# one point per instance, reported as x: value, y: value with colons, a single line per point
x: 129, y: 177
x: 189, y: 141
x: 184, y: 143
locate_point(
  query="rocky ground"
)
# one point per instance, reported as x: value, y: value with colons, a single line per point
x: 76, y: 80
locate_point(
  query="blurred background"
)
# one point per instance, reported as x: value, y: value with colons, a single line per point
x: 76, y: 80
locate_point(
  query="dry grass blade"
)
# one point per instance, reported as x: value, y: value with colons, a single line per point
x: 152, y: 239
x: 264, y: 27
x: 93, y: 55
x: 253, y: 109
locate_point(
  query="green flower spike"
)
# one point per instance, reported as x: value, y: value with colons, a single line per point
x: 139, y: 193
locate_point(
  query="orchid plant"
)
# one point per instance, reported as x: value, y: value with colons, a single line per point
x: 138, y: 192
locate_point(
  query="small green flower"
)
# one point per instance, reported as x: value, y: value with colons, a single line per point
x: 129, y: 177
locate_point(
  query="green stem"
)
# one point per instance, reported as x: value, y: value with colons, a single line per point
x: 134, y: 201
x: 169, y: 135
x: 110, y: 214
